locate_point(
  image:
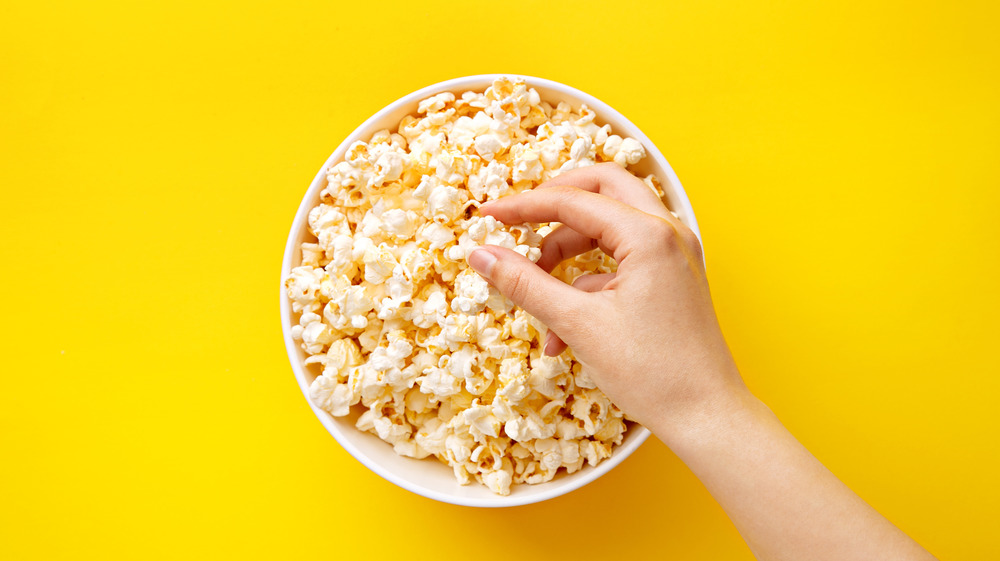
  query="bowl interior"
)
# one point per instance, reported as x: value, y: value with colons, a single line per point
x: 430, y: 477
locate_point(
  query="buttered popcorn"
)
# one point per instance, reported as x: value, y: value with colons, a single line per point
x: 434, y: 359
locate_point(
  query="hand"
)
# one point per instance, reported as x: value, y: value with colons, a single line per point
x: 648, y: 334
x: 651, y: 340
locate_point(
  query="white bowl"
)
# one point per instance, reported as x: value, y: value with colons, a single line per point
x: 429, y: 477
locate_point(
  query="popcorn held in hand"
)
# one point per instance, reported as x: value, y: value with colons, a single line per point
x: 437, y: 361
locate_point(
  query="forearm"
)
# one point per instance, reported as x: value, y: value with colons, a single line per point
x: 783, y: 501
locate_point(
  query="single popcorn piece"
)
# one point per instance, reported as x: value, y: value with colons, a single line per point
x: 379, y: 262
x: 471, y: 293
x: 430, y: 357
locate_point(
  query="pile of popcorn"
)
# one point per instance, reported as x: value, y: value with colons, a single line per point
x: 434, y: 360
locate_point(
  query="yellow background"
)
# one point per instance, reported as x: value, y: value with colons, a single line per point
x: 841, y: 159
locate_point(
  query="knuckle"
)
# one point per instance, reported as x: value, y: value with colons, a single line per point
x: 608, y: 168
x: 690, y: 240
x: 663, y: 236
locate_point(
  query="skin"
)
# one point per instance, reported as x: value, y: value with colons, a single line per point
x: 650, y: 336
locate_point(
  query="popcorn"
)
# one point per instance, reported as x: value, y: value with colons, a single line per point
x: 316, y: 335
x: 487, y: 146
x: 471, y: 293
x: 379, y: 263
x: 630, y: 152
x: 430, y: 310
x: 528, y: 426
x: 481, y: 421
x: 433, y: 358
x: 444, y: 204
x: 303, y: 287
x: 400, y: 224
x: 440, y: 383
x: 435, y: 103
x: 331, y: 396
x: 527, y: 164
x: 352, y: 308
x: 498, y: 481
x: 435, y: 236
x: 490, y: 182
x: 623, y: 151
x: 342, y: 355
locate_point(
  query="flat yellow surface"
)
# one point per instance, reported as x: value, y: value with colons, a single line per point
x: 842, y: 160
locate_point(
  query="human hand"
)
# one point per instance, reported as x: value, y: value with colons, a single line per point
x: 648, y: 334
x: 650, y: 338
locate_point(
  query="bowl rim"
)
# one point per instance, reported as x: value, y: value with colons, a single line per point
x: 291, y: 247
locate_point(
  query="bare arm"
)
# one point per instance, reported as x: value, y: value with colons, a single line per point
x: 784, y: 502
x: 650, y: 338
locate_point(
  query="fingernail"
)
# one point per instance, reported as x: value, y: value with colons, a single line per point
x: 482, y: 261
x: 547, y: 346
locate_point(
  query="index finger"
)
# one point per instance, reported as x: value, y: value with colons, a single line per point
x: 614, y: 224
x: 616, y: 182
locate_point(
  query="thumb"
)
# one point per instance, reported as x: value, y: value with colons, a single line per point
x: 526, y: 284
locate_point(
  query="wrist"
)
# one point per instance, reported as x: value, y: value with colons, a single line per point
x: 728, y: 407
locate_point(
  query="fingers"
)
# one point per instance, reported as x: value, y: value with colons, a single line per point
x: 610, y: 180
x: 528, y: 286
x: 554, y: 344
x: 613, y: 224
x: 561, y: 244
x: 593, y: 283
x: 613, y: 181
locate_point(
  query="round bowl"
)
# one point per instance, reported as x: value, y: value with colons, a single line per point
x: 429, y: 477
